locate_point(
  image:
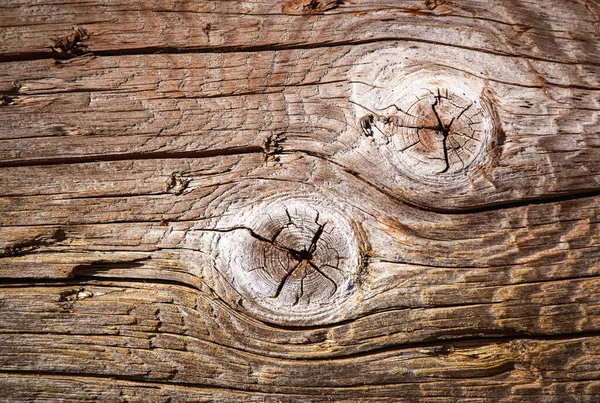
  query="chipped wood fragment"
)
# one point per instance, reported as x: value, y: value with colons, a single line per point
x: 71, y: 45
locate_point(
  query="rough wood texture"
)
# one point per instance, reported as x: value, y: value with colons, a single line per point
x: 306, y: 200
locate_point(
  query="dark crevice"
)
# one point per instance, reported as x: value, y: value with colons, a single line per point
x: 443, y: 129
x: 86, y: 276
x: 439, y: 345
x: 301, y: 255
x: 502, y: 205
x: 99, y: 266
x: 149, y: 50
x: 32, y: 245
x: 252, y: 233
x: 305, y: 257
x: 316, y: 237
x: 286, y: 277
x: 489, y: 207
x: 325, y: 276
x: 135, y: 156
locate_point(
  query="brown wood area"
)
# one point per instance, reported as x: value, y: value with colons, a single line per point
x: 300, y: 201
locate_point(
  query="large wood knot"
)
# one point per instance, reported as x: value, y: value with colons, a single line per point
x: 426, y: 131
x: 436, y: 124
x: 291, y: 259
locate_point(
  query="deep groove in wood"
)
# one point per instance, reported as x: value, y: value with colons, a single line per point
x: 274, y: 47
x: 135, y: 157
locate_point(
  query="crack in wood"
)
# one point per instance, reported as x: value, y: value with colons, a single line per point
x: 229, y: 319
x: 303, y: 256
x: 298, y: 259
x: 275, y: 46
x: 69, y: 297
x: 136, y: 156
x: 32, y: 245
x: 416, y: 135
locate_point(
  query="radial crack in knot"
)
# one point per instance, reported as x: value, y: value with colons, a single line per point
x: 297, y: 257
x: 435, y: 132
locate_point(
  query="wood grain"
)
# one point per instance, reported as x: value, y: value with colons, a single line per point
x: 305, y: 200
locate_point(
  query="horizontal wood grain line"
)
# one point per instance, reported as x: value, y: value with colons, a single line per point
x: 142, y: 311
x: 556, y: 197
x: 561, y: 197
x: 83, y: 275
x: 310, y: 391
x: 543, y: 85
x: 502, y: 205
x: 307, y: 390
x: 439, y: 345
x: 273, y: 47
x: 23, y: 385
x: 79, y: 389
x: 503, y: 364
x: 132, y: 378
x: 134, y: 156
x: 175, y: 95
x: 433, y: 345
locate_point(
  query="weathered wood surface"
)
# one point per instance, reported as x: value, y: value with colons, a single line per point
x: 300, y: 201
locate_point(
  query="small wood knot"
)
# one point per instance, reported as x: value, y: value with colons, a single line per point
x: 433, y: 4
x: 176, y: 184
x: 293, y: 260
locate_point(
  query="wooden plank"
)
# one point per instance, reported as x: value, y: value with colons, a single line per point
x: 146, y: 106
x: 538, y: 258
x: 303, y: 201
x: 83, y: 389
x: 122, y: 329
x: 575, y: 165
x: 132, y: 224
x: 537, y: 309
x: 556, y: 30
